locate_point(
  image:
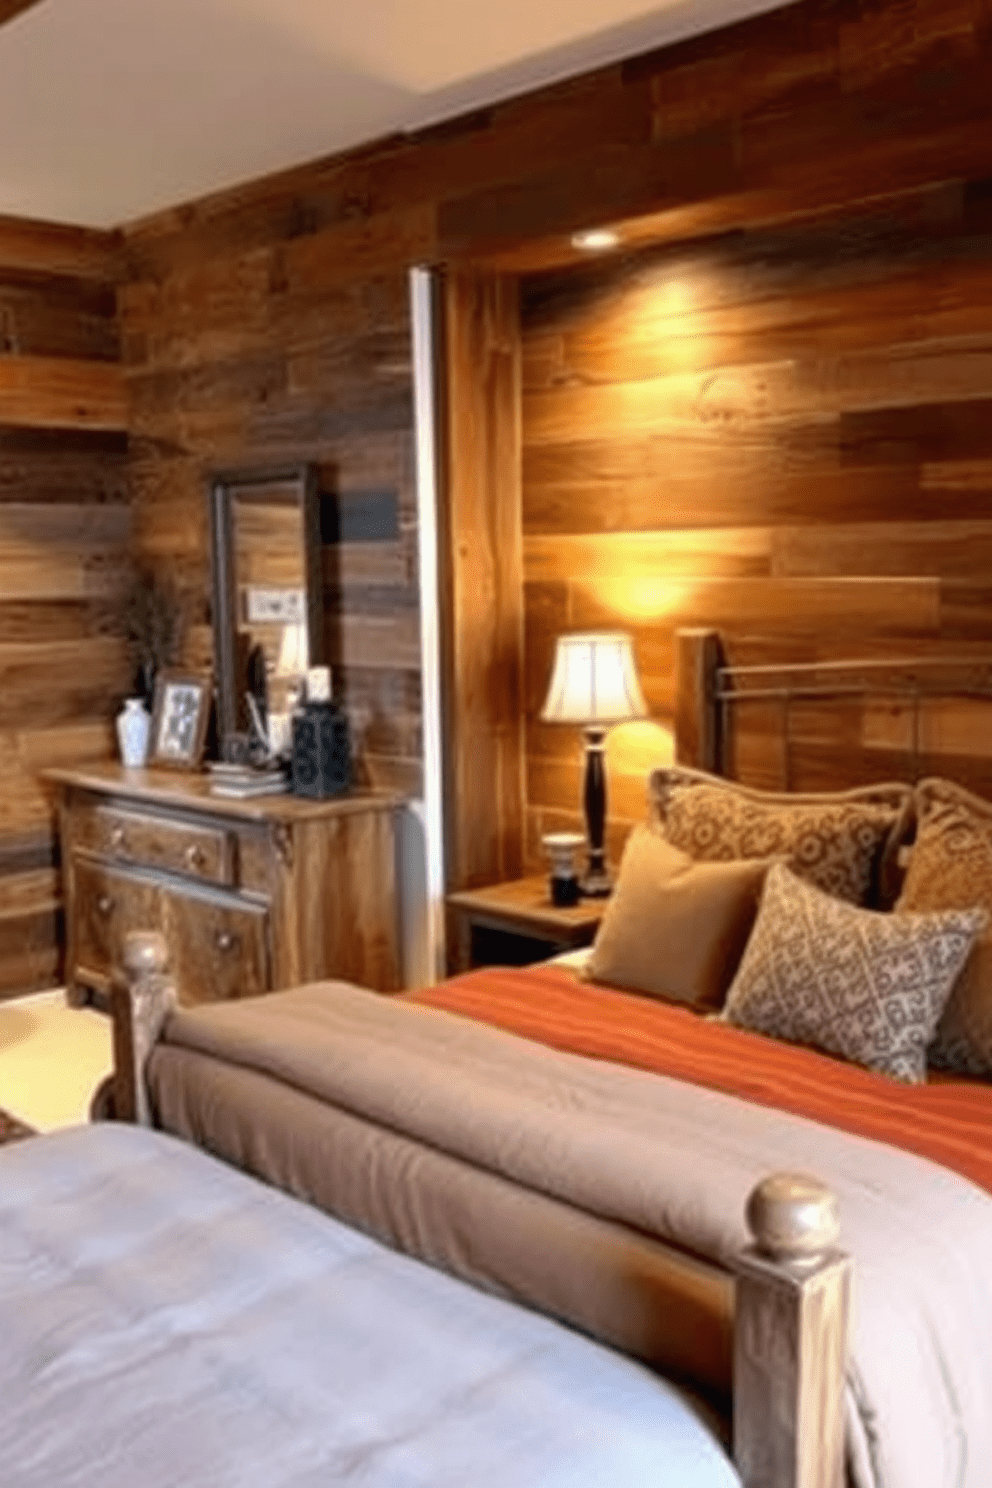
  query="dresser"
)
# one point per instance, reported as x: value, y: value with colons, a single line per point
x: 251, y: 895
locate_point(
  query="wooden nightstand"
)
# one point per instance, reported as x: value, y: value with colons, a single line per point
x: 513, y: 924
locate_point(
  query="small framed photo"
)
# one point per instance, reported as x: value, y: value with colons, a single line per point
x: 179, y: 719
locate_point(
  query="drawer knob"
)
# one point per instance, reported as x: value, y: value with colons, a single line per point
x: 117, y: 837
x: 225, y: 940
x: 104, y: 904
x: 195, y: 857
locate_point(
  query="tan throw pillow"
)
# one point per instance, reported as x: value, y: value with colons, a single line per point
x: 854, y: 982
x: 842, y: 842
x: 674, y: 928
x: 950, y: 867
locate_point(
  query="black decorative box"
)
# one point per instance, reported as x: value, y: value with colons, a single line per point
x: 321, y: 751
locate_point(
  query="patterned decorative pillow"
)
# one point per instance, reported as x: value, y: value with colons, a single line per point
x: 854, y: 982
x: 843, y: 842
x: 950, y: 867
x: 674, y: 928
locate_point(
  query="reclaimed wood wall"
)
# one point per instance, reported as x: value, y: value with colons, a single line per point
x: 782, y: 429
x: 246, y: 348
x: 771, y: 417
x: 784, y: 433
x: 64, y: 534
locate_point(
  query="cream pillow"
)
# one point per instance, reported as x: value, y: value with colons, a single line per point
x: 854, y: 982
x: 674, y: 928
x: 843, y: 842
x: 950, y: 867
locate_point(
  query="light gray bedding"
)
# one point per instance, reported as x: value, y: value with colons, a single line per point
x: 674, y: 1161
x: 168, y: 1321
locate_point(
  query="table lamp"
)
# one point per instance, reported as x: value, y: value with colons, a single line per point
x: 594, y: 683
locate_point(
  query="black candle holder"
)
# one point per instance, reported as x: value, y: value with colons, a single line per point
x: 561, y: 848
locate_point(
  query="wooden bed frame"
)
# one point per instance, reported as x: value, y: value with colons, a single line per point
x: 711, y: 694
x: 792, y: 1283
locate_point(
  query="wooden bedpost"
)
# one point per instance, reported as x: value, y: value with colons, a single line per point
x: 790, y: 1338
x: 697, y: 716
x: 141, y: 998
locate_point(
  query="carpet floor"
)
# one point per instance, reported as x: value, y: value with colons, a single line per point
x: 52, y: 1058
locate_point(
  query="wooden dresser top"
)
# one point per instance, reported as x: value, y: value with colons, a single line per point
x: 190, y: 790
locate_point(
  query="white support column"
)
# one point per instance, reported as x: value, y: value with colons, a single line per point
x: 427, y: 960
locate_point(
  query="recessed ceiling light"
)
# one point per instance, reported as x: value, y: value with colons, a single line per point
x: 596, y: 240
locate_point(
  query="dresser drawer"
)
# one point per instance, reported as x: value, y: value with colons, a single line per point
x: 106, y: 907
x: 202, y: 851
x: 218, y: 945
x: 218, y: 950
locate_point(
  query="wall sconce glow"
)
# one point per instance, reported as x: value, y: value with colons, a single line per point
x: 596, y: 240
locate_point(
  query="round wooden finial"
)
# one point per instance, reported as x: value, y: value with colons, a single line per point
x: 144, y: 952
x: 793, y: 1217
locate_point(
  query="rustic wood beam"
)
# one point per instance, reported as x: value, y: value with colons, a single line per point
x: 482, y: 593
x: 697, y: 741
x: 62, y: 393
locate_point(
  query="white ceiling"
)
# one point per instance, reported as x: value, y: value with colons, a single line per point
x: 111, y: 109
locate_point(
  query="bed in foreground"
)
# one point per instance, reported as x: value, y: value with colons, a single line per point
x: 170, y: 1321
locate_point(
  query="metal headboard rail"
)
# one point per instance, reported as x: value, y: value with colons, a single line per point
x: 910, y: 689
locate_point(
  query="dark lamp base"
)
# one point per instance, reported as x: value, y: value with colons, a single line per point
x: 596, y: 885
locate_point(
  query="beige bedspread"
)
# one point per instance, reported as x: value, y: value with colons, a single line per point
x: 677, y: 1161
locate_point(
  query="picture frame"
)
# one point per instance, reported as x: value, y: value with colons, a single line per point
x: 179, y: 719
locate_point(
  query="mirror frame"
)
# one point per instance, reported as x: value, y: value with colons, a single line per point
x: 223, y: 486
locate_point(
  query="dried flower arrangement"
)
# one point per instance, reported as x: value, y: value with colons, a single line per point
x: 155, y: 614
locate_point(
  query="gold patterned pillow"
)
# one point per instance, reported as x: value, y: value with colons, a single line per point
x: 843, y: 842
x: 855, y: 982
x: 950, y: 867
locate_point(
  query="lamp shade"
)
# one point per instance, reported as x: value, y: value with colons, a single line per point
x: 594, y: 680
x: 292, y: 658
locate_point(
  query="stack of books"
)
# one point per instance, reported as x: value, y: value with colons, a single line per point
x: 242, y: 781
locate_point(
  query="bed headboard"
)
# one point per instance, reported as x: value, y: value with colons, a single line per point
x: 892, y: 717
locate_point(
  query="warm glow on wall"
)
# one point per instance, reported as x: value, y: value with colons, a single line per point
x: 677, y: 294
x: 645, y: 598
x: 669, y: 320
x: 637, y: 748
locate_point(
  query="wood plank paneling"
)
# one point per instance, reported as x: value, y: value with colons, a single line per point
x: 783, y: 433
x: 483, y: 577
x: 267, y: 343
x: 50, y: 248
x: 47, y: 316
x: 58, y: 393
x: 65, y: 529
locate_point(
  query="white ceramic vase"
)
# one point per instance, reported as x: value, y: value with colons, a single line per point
x: 133, y: 727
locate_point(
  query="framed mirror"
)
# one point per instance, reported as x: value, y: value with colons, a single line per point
x: 267, y: 589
